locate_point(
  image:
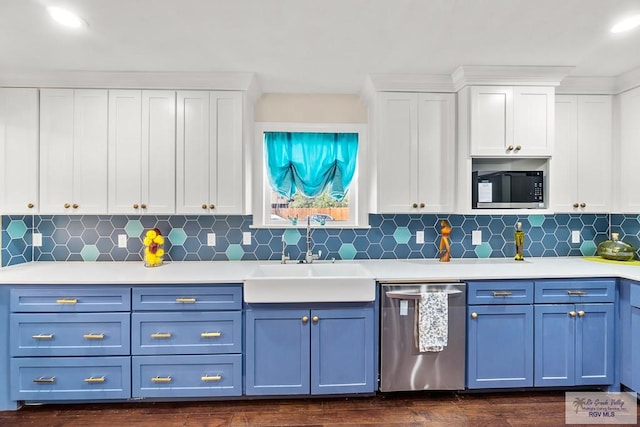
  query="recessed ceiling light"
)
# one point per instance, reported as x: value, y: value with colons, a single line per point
x: 65, y: 17
x: 626, y: 24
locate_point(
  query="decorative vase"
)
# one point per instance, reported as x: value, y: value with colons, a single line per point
x: 153, y: 248
x: 615, y: 249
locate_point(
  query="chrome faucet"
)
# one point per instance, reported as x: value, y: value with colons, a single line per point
x: 310, y: 256
x: 284, y: 258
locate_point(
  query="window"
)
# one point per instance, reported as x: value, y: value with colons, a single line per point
x: 298, y: 198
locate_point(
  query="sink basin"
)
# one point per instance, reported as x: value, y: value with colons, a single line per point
x: 318, y: 282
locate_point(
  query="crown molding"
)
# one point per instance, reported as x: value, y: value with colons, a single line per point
x: 131, y: 80
x: 628, y: 80
x: 409, y: 83
x: 587, y: 86
x: 467, y: 75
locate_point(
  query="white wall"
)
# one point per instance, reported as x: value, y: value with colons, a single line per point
x: 310, y: 108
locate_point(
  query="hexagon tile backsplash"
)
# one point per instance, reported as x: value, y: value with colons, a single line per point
x: 95, y: 237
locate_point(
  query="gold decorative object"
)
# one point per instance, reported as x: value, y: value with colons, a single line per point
x: 518, y: 237
x: 445, y: 245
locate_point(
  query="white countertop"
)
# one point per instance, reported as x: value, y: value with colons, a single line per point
x: 131, y: 272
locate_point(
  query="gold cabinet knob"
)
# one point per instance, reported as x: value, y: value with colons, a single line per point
x: 75, y: 206
x: 143, y: 206
x: 518, y: 147
x: 315, y: 319
x: 422, y: 205
x: 583, y: 205
x: 204, y: 206
x: 30, y: 205
x: 415, y: 205
x: 67, y: 205
x: 474, y: 315
x: 305, y: 319
x: 581, y: 313
x: 135, y: 206
x: 212, y: 206
x: 572, y: 314
x: 510, y: 148
x: 575, y: 205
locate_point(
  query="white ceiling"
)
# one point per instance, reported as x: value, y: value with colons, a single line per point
x: 310, y: 46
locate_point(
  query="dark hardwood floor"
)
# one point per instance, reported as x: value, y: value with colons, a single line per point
x: 395, y: 409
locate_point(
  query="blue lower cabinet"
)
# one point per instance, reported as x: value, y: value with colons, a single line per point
x: 343, y: 351
x: 635, y: 349
x: 500, y: 346
x: 45, y: 379
x: 574, y: 344
x: 277, y: 352
x: 317, y: 351
x: 187, y: 376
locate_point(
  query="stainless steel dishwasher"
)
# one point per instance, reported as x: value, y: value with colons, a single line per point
x: 402, y: 365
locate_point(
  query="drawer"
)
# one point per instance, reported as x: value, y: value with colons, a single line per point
x: 70, y: 334
x: 70, y: 378
x: 635, y: 295
x: 224, y: 297
x: 187, y: 332
x: 575, y: 291
x: 500, y: 292
x: 70, y: 299
x: 187, y: 376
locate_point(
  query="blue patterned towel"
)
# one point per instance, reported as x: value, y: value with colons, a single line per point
x: 432, y: 321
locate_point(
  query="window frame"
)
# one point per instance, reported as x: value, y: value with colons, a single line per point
x: 261, y: 198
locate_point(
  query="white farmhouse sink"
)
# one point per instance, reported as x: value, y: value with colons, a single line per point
x: 318, y: 282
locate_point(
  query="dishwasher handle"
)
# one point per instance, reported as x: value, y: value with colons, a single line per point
x: 416, y: 294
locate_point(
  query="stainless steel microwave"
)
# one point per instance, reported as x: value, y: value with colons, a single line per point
x: 508, y: 190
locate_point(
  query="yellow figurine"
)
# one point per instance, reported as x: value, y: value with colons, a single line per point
x: 518, y: 236
x: 445, y: 246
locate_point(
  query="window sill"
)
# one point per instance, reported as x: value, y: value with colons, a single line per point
x: 314, y: 227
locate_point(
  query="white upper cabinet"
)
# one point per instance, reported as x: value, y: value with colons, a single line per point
x: 18, y: 151
x: 511, y: 121
x: 73, y: 151
x: 142, y: 151
x: 627, y: 154
x: 210, y: 173
x: 415, y: 152
x: 581, y: 166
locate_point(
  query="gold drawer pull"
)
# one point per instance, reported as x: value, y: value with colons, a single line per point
x: 42, y: 337
x: 92, y: 380
x: 186, y: 300
x: 161, y: 379
x: 161, y: 335
x: 210, y: 334
x: 93, y: 336
x: 576, y: 293
x: 67, y: 301
x: 211, y: 378
x: 502, y: 293
x: 42, y: 380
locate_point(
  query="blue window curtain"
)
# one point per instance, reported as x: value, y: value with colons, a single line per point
x: 311, y: 162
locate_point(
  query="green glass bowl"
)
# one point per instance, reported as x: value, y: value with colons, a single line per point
x: 616, y: 250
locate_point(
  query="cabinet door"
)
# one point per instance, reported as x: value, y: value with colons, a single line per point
x: 563, y: 179
x: 491, y: 120
x: 500, y: 346
x: 193, y: 153
x: 18, y: 151
x: 277, y: 352
x: 554, y: 345
x: 628, y: 153
x: 635, y: 349
x: 436, y: 152
x: 227, y: 175
x: 533, y: 116
x: 125, y: 151
x: 594, y: 343
x: 158, y: 170
x: 56, y: 150
x: 398, y: 153
x: 342, y: 358
x: 73, y: 151
x: 594, y: 153
x: 90, y: 151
